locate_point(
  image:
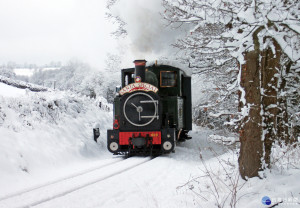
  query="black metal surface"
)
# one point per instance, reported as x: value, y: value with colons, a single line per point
x: 139, y: 142
x: 96, y: 133
x: 127, y: 72
x: 135, y: 112
x: 187, y: 94
x: 112, y: 136
x: 140, y: 70
x: 171, y: 139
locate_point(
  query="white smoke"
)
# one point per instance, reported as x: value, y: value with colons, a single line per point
x: 148, y: 35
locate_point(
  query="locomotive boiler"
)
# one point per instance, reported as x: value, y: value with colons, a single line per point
x: 152, y: 110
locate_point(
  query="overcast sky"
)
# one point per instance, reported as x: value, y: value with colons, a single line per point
x: 41, y: 31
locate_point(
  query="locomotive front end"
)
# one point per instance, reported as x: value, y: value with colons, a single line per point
x: 137, y: 128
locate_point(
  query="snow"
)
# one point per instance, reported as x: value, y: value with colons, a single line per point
x: 9, y: 91
x: 50, y: 68
x: 152, y: 183
x: 46, y: 131
x: 57, y: 162
x: 295, y: 27
x: 175, y: 180
x: 28, y: 72
x: 24, y: 71
x: 22, y: 84
x: 223, y: 139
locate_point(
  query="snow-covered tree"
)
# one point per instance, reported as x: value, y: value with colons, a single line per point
x: 120, y: 31
x: 6, y: 72
x: 68, y: 77
x: 263, y: 36
x: 112, y: 74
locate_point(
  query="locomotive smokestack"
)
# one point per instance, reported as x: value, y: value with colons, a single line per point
x: 140, y: 69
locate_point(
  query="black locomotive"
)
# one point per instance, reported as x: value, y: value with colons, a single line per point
x: 152, y: 111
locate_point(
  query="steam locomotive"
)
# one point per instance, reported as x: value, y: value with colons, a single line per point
x: 152, y: 110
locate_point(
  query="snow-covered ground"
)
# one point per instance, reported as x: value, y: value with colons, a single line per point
x: 47, y: 148
x: 24, y: 71
x: 8, y: 91
x: 30, y: 71
x: 42, y: 132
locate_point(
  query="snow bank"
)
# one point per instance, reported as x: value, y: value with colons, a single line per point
x: 218, y: 182
x: 9, y: 91
x: 22, y: 85
x: 223, y: 139
x: 44, y: 131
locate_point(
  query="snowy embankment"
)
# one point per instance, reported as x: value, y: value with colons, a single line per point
x: 200, y: 174
x: 46, y: 144
x: 41, y: 133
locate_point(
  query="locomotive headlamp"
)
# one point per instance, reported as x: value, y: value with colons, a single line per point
x: 167, y: 145
x: 114, y: 146
x: 168, y: 135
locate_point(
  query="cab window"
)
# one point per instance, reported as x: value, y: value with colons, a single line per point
x: 128, y: 78
x: 168, y: 78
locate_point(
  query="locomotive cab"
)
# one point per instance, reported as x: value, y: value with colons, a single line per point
x: 152, y: 111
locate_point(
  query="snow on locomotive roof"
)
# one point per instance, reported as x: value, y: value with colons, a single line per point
x: 174, y: 63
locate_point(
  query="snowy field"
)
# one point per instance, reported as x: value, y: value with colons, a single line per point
x: 48, y: 159
x: 30, y: 71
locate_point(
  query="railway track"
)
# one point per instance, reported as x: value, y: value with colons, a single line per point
x: 59, y: 188
x: 62, y: 179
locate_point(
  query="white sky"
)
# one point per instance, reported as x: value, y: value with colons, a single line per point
x: 41, y: 31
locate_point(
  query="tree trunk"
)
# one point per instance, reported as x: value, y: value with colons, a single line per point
x: 263, y: 81
x: 282, y: 117
x: 275, y: 67
x: 251, y: 150
x: 269, y: 67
